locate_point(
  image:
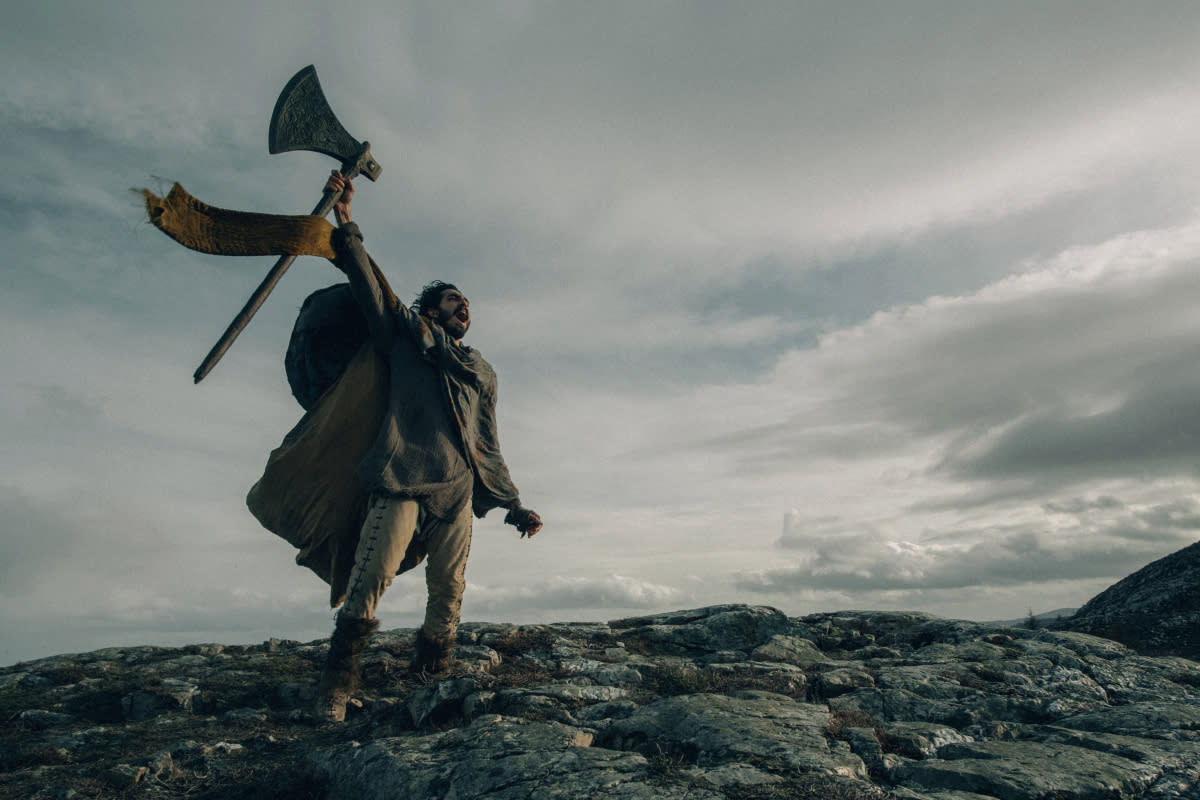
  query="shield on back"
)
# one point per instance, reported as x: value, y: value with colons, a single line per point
x: 328, y: 332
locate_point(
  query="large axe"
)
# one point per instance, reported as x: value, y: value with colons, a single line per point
x: 302, y: 120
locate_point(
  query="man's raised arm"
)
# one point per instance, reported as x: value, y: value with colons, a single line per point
x: 352, y: 259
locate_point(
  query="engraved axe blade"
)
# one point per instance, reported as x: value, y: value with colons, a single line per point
x: 302, y: 120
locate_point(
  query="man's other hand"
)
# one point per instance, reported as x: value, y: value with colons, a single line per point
x: 526, y: 520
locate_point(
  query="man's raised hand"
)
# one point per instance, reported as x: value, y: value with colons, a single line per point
x: 337, y: 183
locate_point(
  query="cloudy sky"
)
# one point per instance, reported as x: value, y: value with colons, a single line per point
x: 816, y: 305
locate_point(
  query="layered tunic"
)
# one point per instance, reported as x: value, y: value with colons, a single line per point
x: 438, y: 441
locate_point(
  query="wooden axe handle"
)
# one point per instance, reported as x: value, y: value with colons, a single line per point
x: 328, y: 198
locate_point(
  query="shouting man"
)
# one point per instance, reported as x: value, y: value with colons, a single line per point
x: 435, y: 462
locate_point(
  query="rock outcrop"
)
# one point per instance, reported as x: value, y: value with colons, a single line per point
x: 721, y: 703
x: 1155, y: 611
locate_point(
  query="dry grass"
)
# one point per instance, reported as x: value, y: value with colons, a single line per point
x: 672, y: 680
x: 814, y: 787
x: 522, y: 641
x: 840, y: 720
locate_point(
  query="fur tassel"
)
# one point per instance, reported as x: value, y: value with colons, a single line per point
x: 339, y: 679
x: 432, y: 654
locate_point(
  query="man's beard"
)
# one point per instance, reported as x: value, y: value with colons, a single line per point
x: 454, y: 326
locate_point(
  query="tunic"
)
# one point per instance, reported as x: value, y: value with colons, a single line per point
x: 438, y: 442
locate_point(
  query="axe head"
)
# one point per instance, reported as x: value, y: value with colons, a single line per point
x: 303, y: 120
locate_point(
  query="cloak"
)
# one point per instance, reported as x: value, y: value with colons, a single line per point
x: 309, y: 494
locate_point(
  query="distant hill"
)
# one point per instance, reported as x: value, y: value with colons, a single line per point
x: 1044, y: 618
x: 1155, y: 611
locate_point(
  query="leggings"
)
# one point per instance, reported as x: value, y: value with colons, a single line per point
x: 386, y: 533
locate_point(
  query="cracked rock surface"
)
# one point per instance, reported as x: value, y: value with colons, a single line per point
x: 728, y: 702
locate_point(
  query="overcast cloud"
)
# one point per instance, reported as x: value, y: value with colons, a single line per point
x: 816, y: 305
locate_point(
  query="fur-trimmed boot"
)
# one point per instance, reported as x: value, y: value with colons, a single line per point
x: 432, y: 654
x: 339, y: 678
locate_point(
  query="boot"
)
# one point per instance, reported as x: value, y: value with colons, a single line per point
x: 339, y: 679
x: 431, y: 655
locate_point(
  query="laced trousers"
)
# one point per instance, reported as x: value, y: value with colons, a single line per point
x: 386, y: 533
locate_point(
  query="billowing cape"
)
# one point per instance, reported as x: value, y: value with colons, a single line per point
x: 309, y: 493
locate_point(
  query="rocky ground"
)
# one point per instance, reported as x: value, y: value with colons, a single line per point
x: 727, y: 702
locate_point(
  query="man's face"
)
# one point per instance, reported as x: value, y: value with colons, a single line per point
x: 453, y: 313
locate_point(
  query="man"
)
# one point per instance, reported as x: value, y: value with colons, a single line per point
x: 435, y: 461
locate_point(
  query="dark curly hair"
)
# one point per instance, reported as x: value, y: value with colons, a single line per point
x: 431, y: 295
